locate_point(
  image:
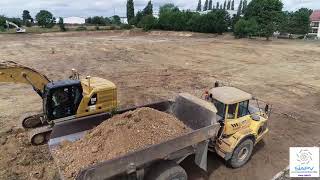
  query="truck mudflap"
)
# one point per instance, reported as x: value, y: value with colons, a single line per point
x: 197, y: 114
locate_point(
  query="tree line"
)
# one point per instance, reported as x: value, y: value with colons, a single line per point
x: 258, y: 18
x: 172, y: 18
x: 45, y: 19
x: 264, y: 17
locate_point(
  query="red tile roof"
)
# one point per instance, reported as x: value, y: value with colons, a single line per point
x: 315, y: 16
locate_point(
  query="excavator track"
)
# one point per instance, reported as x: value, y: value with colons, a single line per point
x: 32, y: 120
x: 40, y: 136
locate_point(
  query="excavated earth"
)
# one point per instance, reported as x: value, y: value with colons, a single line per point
x: 148, y: 67
x: 118, y: 136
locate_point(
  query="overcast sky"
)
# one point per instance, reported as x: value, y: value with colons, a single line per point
x: 85, y: 8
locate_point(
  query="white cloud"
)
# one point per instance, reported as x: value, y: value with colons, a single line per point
x: 84, y: 8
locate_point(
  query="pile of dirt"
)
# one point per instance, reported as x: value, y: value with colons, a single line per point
x: 118, y: 136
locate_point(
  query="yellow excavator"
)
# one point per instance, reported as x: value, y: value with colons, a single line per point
x: 63, y: 100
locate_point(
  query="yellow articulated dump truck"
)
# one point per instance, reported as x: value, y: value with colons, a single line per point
x: 62, y: 100
x: 242, y: 125
x: 224, y: 122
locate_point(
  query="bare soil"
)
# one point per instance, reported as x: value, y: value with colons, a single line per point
x: 158, y: 65
x: 118, y: 136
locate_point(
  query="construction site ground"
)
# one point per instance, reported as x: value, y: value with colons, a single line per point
x: 147, y: 67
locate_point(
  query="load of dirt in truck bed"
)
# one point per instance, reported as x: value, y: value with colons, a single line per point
x: 118, y: 136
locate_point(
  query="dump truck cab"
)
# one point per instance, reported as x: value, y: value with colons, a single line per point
x: 242, y: 125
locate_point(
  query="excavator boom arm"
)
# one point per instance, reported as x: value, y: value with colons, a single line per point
x: 16, y: 73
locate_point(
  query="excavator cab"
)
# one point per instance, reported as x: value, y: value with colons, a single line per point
x: 61, y: 99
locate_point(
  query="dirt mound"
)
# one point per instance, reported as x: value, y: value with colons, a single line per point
x: 119, y: 135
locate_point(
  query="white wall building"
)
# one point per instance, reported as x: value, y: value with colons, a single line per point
x: 315, y: 23
x: 74, y: 20
x: 231, y: 12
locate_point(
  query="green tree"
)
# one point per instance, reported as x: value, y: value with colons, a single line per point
x: 266, y: 13
x: 148, y: 10
x: 138, y: 18
x: 116, y: 20
x: 244, y: 6
x: 300, y: 21
x: 148, y: 22
x: 169, y: 7
x: 297, y: 22
x: 26, y: 17
x: 2, y: 23
x: 225, y: 5
x: 234, y: 20
x: 174, y: 20
x: 107, y: 20
x: 215, y: 21
x: 232, y: 5
x: 130, y: 11
x: 2, y: 20
x: 61, y: 25
x: 229, y: 5
x: 28, y: 23
x: 245, y: 28
x: 205, y: 6
x: 210, y: 5
x: 221, y: 6
x: 98, y: 20
x: 88, y: 20
x: 45, y: 19
x: 218, y: 5
x: 199, y: 5
x: 239, y: 8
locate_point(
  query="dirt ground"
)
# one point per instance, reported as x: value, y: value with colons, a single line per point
x: 158, y: 65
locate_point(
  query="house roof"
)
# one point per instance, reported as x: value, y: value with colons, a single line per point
x: 315, y: 16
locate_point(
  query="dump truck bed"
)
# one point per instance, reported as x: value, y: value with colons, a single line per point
x: 195, y: 113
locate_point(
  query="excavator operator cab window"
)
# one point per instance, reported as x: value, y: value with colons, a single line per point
x: 62, y: 101
x: 60, y: 97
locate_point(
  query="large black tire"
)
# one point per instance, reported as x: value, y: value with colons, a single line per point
x: 167, y: 170
x: 241, y: 154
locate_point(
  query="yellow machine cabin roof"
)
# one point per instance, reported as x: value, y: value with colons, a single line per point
x: 229, y: 95
x: 96, y: 84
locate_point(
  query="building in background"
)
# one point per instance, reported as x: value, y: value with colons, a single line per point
x: 74, y: 20
x: 315, y: 23
x: 231, y: 12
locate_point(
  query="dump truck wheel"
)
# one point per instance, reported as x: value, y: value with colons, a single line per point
x: 167, y: 171
x: 241, y: 154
